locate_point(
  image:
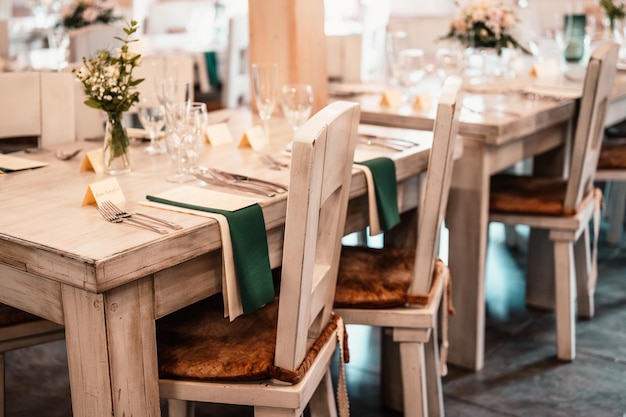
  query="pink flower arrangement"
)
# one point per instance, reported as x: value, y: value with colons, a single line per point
x: 82, y: 13
x: 485, y: 24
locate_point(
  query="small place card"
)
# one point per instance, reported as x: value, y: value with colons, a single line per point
x: 218, y: 134
x: 254, y: 138
x: 92, y: 161
x: 422, y: 102
x: 547, y: 70
x: 106, y: 190
x: 391, y: 98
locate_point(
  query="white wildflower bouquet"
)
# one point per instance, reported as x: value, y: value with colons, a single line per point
x: 107, y: 78
x: 485, y: 24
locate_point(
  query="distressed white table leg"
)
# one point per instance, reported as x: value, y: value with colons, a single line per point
x: 467, y: 221
x: 87, y: 356
x: 132, y: 347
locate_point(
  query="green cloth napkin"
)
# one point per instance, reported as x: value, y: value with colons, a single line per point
x: 386, y: 189
x: 250, y: 251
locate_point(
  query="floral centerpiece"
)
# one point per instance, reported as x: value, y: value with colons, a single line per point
x: 81, y: 13
x: 485, y: 24
x: 614, y: 11
x: 109, y: 85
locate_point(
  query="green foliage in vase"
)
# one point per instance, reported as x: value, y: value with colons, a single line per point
x: 83, y: 13
x: 614, y: 11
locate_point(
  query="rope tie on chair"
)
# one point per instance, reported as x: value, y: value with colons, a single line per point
x: 597, y: 209
x: 447, y: 311
x: 344, y: 356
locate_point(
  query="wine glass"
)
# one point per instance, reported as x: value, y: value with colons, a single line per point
x: 152, y: 117
x: 297, y: 103
x: 560, y: 31
x: 412, y: 69
x: 265, y: 76
x: 395, y: 42
x: 187, y: 124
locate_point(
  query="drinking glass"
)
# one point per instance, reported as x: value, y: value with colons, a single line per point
x: 265, y: 77
x: 559, y: 30
x: 412, y: 69
x: 395, y: 43
x: 152, y: 117
x: 187, y: 124
x: 297, y: 101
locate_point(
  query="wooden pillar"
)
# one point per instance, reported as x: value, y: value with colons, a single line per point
x: 291, y: 33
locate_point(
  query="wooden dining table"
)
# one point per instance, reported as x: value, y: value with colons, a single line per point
x: 108, y: 283
x: 500, y: 126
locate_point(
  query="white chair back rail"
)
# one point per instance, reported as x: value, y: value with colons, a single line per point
x: 590, y: 124
x: 438, y: 178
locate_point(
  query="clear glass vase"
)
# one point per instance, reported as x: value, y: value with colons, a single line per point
x: 117, y: 155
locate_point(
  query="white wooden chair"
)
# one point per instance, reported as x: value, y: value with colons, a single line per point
x: 402, y: 289
x: 612, y: 170
x: 19, y: 329
x: 40, y: 104
x: 316, y: 213
x: 236, y: 83
x: 88, y: 40
x: 565, y: 207
x: 20, y: 104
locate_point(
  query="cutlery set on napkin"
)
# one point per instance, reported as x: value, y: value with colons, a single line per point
x: 238, y: 181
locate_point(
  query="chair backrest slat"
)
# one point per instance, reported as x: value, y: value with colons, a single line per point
x: 20, y: 104
x: 590, y: 123
x: 438, y: 178
x: 319, y: 187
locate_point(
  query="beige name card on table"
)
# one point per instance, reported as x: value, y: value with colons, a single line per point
x: 422, y: 102
x: 254, y: 138
x: 391, y: 98
x: 106, y: 190
x: 92, y: 161
x: 218, y: 134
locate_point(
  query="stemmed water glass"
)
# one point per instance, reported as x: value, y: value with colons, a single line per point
x: 297, y: 102
x: 187, y: 124
x: 265, y: 77
x: 152, y: 117
x: 412, y: 69
x: 395, y: 43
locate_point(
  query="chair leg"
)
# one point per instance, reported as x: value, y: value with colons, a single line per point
x: 434, y: 390
x: 582, y: 259
x: 275, y: 412
x: 180, y: 408
x: 413, y: 379
x: 565, y: 296
x: 617, y: 202
x: 323, y: 401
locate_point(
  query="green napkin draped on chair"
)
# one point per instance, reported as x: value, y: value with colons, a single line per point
x: 386, y: 190
x: 250, y: 251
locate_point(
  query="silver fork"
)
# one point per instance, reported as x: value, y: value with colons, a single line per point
x: 274, y: 163
x: 121, y: 213
x: 113, y: 218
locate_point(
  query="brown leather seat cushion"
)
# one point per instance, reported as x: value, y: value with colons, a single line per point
x: 527, y: 195
x: 199, y: 343
x: 612, y: 155
x: 377, y: 278
x: 10, y: 316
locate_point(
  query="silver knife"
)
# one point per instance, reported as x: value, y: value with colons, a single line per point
x: 239, y: 186
x: 279, y: 188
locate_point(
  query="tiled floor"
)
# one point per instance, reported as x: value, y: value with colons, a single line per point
x: 521, y: 376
